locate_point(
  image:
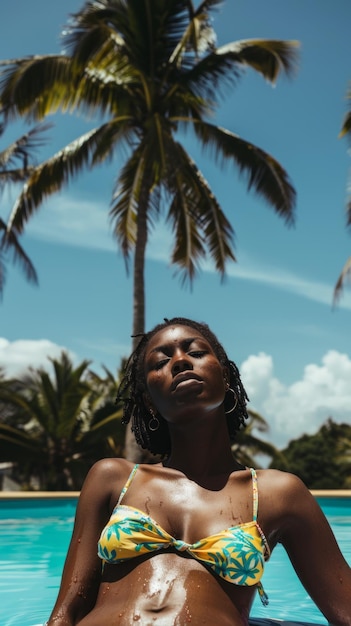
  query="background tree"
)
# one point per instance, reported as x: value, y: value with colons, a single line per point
x: 16, y: 165
x: 322, y: 460
x: 248, y: 445
x: 56, y: 427
x: 346, y: 270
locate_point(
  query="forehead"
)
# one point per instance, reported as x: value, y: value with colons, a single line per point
x: 172, y: 335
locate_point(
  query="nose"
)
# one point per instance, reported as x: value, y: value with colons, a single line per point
x: 180, y: 364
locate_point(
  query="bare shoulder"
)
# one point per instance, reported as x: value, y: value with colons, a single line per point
x: 106, y: 469
x: 280, y: 483
x: 284, y: 498
x: 105, y: 480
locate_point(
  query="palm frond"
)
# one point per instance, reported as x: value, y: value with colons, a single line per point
x: 17, y: 443
x: 134, y: 30
x: 20, y: 401
x: 346, y: 125
x: 41, y: 85
x: 34, y: 86
x: 225, y: 65
x: 13, y: 176
x: 265, y: 175
x: 344, y: 277
x: 9, y: 244
x: 198, y: 36
x: 269, y: 57
x: 124, y: 209
x: 255, y: 445
x: 16, y: 160
x: 189, y: 246
x: 91, y: 35
x: 50, y: 176
x: 22, y: 148
x: 196, y: 216
x: 205, y: 78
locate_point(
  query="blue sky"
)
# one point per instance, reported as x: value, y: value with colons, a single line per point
x: 274, y: 311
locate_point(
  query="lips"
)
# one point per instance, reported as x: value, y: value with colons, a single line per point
x: 183, y: 376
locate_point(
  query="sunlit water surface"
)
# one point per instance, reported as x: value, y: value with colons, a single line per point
x: 34, y: 536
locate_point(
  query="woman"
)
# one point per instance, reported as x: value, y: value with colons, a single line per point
x: 186, y: 540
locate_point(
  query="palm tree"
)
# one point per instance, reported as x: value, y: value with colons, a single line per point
x: 152, y: 69
x: 247, y: 445
x: 346, y: 270
x: 55, y: 429
x: 15, y: 167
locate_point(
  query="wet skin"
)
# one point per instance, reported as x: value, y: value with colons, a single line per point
x: 166, y: 590
x: 169, y: 587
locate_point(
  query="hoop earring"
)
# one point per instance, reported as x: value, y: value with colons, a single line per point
x: 235, y: 401
x: 154, y: 423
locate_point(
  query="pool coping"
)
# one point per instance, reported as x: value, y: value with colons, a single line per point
x: 31, y: 495
x: 28, y: 495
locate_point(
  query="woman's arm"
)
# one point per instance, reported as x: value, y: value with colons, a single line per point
x: 314, y: 553
x: 82, y: 570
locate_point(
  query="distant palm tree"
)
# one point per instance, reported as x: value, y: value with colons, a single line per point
x: 152, y: 69
x: 248, y: 446
x: 346, y: 270
x: 55, y: 429
x: 15, y: 167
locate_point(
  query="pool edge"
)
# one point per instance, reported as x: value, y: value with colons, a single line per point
x: 17, y: 495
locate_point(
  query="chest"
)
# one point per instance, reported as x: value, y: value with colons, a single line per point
x: 188, y: 511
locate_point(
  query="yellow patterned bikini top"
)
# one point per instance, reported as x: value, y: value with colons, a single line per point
x: 236, y: 554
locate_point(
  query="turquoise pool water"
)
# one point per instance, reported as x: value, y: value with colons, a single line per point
x: 34, y: 536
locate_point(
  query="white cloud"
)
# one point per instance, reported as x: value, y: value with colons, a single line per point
x: 288, y: 281
x: 74, y: 222
x: 17, y: 356
x: 86, y: 224
x: 324, y: 391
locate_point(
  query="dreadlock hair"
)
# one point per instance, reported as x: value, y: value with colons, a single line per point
x: 132, y: 391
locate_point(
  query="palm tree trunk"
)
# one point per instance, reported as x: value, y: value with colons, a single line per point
x: 132, y: 451
x: 138, y: 274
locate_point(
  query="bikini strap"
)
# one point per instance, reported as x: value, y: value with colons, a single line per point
x: 254, y: 494
x: 130, y: 478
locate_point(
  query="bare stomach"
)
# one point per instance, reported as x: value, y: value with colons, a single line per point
x: 167, y: 590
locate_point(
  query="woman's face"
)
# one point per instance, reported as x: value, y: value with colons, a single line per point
x: 183, y: 374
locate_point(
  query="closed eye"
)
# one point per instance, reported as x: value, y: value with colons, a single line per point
x: 160, y: 364
x: 197, y: 354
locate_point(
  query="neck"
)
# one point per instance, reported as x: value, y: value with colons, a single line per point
x: 201, y: 450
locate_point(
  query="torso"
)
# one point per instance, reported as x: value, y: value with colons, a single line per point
x: 176, y: 589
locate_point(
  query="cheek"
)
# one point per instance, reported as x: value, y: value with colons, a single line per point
x: 217, y: 387
x: 154, y: 385
x: 216, y: 375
